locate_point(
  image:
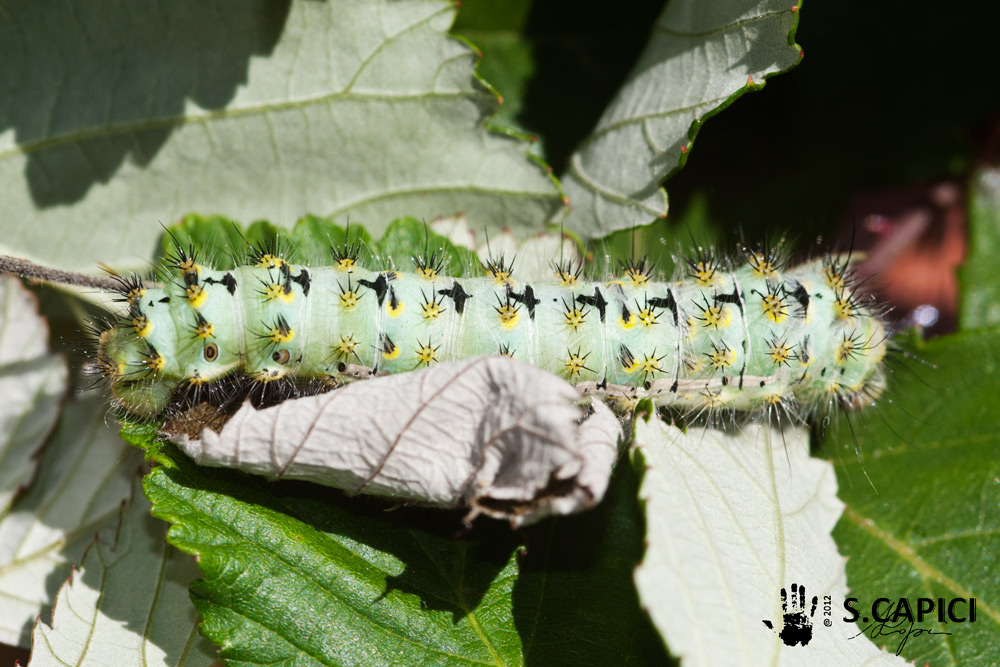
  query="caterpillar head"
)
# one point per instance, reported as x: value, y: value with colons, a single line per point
x: 146, y: 364
x: 135, y: 371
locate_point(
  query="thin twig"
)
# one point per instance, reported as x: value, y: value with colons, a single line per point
x: 26, y: 269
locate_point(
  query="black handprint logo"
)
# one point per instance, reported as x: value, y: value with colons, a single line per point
x: 798, y: 628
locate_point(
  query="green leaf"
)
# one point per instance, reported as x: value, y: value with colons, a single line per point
x: 979, y: 305
x: 923, y: 495
x: 296, y: 573
x: 315, y: 238
x: 574, y: 600
x: 32, y: 384
x: 407, y: 238
x: 223, y: 242
x: 496, y: 29
x: 701, y: 57
x: 126, y: 605
x: 272, y: 109
x: 533, y: 258
x: 666, y: 243
x: 733, y: 519
x: 557, y: 67
x: 82, y: 479
x: 214, y: 239
x: 813, y: 156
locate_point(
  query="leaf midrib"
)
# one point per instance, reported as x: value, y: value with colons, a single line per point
x: 191, y: 119
x: 189, y: 546
x: 927, y: 572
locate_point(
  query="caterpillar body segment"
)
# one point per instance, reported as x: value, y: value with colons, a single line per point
x: 739, y: 339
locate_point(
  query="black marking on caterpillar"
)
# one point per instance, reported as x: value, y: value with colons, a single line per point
x: 458, y: 295
x: 228, y: 280
x: 380, y: 285
x: 526, y: 297
x: 597, y: 301
x: 669, y: 303
x: 303, y: 280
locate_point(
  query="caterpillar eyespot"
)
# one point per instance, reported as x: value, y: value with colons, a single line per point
x: 742, y: 337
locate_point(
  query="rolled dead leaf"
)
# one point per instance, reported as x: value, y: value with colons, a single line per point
x: 492, y: 434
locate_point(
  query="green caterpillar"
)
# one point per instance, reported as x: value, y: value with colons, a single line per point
x: 740, y: 339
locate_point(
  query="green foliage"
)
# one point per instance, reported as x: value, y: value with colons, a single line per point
x: 269, y: 108
x: 980, y: 305
x: 369, y: 111
x: 224, y: 242
x: 296, y: 573
x: 921, y: 485
x: 75, y: 497
x: 888, y: 95
x: 110, y: 582
x: 920, y: 472
x: 407, y: 238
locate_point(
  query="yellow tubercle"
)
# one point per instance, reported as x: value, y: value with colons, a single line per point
x: 761, y: 266
x: 775, y: 308
x: 843, y: 308
x: 637, y: 278
x: 565, y: 278
x: 780, y: 353
x: 630, y: 364
x: 633, y: 319
x: 188, y: 269
x: 650, y: 365
x: 134, y: 296
x: 575, y: 365
x: 346, y: 346
x: 705, y: 274
x: 426, y: 355
x: 718, y: 317
x: 509, y: 316
x: 142, y: 325
x: 280, y: 334
x: 278, y: 291
x: 269, y: 261
x: 575, y: 319
x: 196, y: 296
x: 834, y: 277
x: 431, y: 310
x: 713, y: 399
x: 394, y: 311
x: 723, y: 358
x: 626, y: 404
x: 845, y: 350
x: 349, y: 299
x: 268, y: 375
x: 647, y: 316
x: 154, y: 364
